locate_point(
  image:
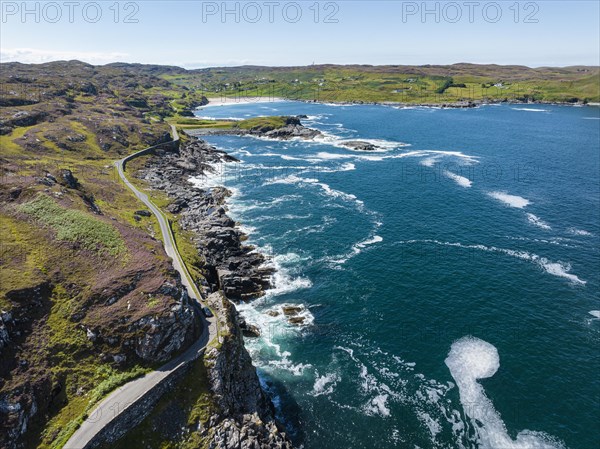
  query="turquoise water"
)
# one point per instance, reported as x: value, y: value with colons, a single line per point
x: 447, y: 280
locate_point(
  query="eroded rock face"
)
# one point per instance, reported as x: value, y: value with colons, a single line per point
x: 249, y: 433
x: 233, y: 271
x: 293, y: 131
x: 129, y: 335
x: 247, y: 417
x: 232, y: 376
x: 162, y: 336
x: 230, y: 265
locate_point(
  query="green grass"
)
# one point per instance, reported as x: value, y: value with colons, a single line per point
x: 76, y: 226
x: 191, y: 395
x: 187, y: 123
x: 272, y: 122
x: 184, y: 240
x: 427, y: 84
x: 62, y: 426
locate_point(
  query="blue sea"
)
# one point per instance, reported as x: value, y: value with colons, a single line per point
x: 449, y: 283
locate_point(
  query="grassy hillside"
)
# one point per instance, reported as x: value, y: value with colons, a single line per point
x: 80, y: 271
x: 406, y: 84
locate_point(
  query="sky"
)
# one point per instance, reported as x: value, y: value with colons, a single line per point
x: 194, y: 34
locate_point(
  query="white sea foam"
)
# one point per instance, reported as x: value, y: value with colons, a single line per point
x: 432, y: 424
x: 291, y: 179
x: 431, y: 157
x: 247, y: 229
x: 378, y: 392
x: 324, y: 385
x: 581, y: 232
x: 356, y: 249
x: 530, y: 109
x: 469, y: 360
x: 559, y: 241
x: 595, y: 313
x: 558, y: 269
x: 537, y: 221
x: 510, y: 200
x: 332, y: 156
x: 311, y: 229
x: 242, y: 206
x: 460, y: 180
x: 285, y: 157
x: 378, y: 406
x: 214, y: 177
x: 296, y: 369
x: 283, y: 280
x: 429, y: 162
x: 326, y: 189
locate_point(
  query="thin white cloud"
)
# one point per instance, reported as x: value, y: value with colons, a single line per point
x: 35, y: 56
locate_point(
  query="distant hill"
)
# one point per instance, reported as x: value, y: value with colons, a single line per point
x: 399, y: 83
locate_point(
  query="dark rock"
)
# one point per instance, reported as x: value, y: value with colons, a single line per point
x: 91, y: 203
x: 14, y: 193
x: 248, y: 330
x: 51, y: 178
x: 291, y: 310
x: 296, y: 320
x: 143, y: 213
x: 176, y: 206
x: 360, y: 146
x: 69, y: 179
x: 229, y: 264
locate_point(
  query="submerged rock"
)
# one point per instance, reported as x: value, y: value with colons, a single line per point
x: 360, y: 145
x: 291, y: 310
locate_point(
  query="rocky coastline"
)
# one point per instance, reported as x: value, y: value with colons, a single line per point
x: 233, y: 272
x: 293, y: 129
x: 452, y: 104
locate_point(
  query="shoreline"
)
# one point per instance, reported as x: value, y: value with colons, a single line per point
x: 232, y: 101
x: 234, y: 273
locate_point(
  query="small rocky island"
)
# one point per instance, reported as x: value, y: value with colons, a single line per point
x: 359, y: 145
x: 276, y: 127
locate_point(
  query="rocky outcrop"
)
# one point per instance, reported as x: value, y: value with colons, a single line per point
x: 293, y: 129
x: 360, y: 145
x: 163, y: 336
x: 230, y: 265
x: 116, y: 322
x: 232, y: 376
x: 248, y: 433
x: 69, y: 179
x: 246, y: 418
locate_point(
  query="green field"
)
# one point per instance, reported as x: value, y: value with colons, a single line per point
x: 402, y: 84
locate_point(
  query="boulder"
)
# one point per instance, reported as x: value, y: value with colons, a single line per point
x: 69, y: 179
x: 360, y: 146
x: 291, y: 310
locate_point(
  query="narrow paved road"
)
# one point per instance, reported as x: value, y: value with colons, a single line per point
x: 129, y: 393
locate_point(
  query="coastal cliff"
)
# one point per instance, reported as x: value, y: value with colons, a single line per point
x: 246, y: 416
x: 241, y: 415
